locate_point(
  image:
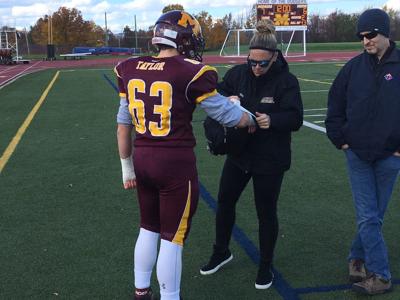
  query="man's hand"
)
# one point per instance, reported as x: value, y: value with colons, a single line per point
x: 263, y: 120
x: 128, y: 173
x: 397, y: 153
x: 345, y: 147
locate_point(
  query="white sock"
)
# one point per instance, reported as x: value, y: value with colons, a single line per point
x: 145, y: 257
x: 169, y: 270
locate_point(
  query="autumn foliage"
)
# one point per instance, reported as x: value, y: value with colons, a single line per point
x: 69, y: 29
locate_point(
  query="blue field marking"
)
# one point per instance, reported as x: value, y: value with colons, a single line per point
x: 280, y: 284
x: 110, y: 82
x: 323, y: 289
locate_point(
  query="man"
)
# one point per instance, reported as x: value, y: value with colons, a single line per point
x: 363, y: 121
x: 160, y: 94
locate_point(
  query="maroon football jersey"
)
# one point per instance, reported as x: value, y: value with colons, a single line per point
x: 162, y: 95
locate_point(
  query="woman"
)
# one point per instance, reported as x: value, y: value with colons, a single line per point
x: 266, y: 87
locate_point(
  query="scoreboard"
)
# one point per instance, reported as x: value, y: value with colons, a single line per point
x: 290, y: 14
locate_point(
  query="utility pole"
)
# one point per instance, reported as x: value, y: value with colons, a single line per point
x: 27, y: 42
x: 135, y: 35
x: 105, y: 21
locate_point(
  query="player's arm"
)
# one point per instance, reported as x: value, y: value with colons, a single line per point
x: 124, y: 137
x: 224, y: 111
x: 202, y: 90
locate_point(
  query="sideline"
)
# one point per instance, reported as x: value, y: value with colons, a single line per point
x: 16, y: 139
x: 17, y: 76
x: 316, y: 81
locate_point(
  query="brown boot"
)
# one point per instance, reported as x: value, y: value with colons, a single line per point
x: 372, y: 285
x: 357, y: 271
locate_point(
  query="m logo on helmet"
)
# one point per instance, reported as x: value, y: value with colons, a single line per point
x: 185, y: 20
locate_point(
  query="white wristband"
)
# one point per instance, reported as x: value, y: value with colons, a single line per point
x: 128, y: 172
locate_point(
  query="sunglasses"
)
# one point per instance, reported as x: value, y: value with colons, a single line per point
x: 369, y: 35
x: 261, y: 63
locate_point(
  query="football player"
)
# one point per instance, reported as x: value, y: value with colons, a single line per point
x: 158, y: 97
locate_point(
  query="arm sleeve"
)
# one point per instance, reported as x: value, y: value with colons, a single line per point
x: 336, y: 114
x: 290, y: 116
x: 123, y: 116
x: 222, y: 110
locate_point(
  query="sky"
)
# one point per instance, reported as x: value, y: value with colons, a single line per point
x: 24, y: 13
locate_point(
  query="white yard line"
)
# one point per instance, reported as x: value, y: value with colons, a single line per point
x: 313, y: 126
x: 314, y: 91
x: 317, y: 115
x: 312, y: 109
x: 315, y: 81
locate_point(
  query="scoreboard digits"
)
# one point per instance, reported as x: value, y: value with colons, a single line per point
x: 283, y: 14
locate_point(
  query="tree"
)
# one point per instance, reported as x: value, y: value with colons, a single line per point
x: 128, y: 37
x: 251, y: 19
x: 69, y: 29
x: 206, y: 22
x: 172, y: 7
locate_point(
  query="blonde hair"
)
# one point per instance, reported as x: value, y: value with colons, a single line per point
x: 265, y: 36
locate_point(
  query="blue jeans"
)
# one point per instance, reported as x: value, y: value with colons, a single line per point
x: 372, y: 185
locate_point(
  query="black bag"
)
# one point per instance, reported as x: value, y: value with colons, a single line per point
x: 224, y: 140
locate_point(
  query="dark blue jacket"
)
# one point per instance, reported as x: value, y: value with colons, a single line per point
x: 364, y: 105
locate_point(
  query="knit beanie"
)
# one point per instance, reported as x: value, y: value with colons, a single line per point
x: 374, y: 20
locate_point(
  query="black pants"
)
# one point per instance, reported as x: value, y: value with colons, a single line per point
x: 266, y: 193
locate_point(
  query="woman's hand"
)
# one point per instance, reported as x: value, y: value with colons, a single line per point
x: 263, y: 120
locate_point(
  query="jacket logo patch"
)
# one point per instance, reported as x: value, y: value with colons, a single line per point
x: 388, y: 77
x: 267, y: 100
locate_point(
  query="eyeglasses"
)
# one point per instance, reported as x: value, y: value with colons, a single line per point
x: 369, y: 35
x: 261, y: 63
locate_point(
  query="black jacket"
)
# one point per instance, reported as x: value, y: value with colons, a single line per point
x: 364, y: 106
x: 277, y: 93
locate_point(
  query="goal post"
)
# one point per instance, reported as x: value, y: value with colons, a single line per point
x: 292, y: 43
x: 290, y: 20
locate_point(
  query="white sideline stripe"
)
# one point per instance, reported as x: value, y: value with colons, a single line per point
x: 315, y: 81
x: 314, y: 63
x: 17, y: 75
x: 317, y: 115
x: 8, y: 69
x: 314, y: 91
x: 11, y: 80
x: 319, y: 122
x: 311, y: 109
x: 313, y: 126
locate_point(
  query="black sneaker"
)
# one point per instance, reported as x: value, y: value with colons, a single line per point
x: 217, y: 260
x: 264, y: 278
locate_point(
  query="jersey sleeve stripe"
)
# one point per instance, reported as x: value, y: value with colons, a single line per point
x: 122, y: 95
x: 205, y: 96
x: 202, y: 71
x: 183, y: 225
x: 116, y: 71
